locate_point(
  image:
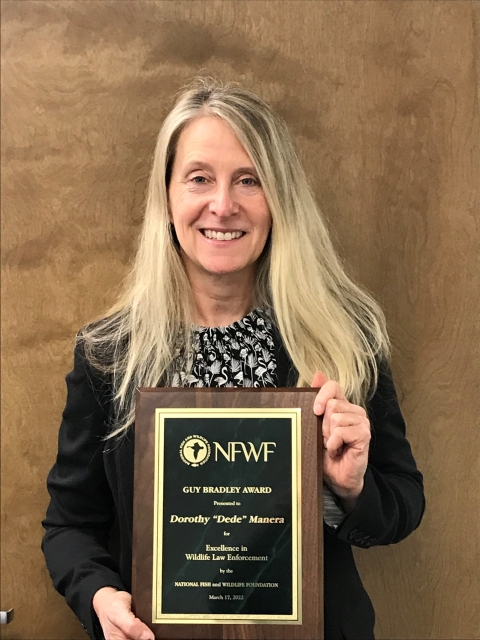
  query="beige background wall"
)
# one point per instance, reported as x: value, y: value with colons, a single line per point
x: 382, y: 101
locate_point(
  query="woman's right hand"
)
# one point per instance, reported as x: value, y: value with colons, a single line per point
x: 114, y: 610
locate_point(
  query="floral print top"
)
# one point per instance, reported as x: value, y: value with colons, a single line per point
x: 239, y: 355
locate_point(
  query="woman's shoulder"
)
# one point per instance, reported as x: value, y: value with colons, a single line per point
x: 89, y: 386
x: 102, y: 343
x: 89, y: 361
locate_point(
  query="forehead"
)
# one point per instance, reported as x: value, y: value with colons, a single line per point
x: 209, y: 136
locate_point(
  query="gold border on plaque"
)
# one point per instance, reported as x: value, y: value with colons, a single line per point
x: 158, y: 617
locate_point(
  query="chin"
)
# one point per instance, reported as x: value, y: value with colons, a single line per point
x: 226, y: 269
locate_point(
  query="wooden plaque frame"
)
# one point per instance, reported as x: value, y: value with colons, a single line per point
x: 311, y: 507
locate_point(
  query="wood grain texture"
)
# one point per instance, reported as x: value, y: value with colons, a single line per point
x: 382, y: 101
x: 148, y: 400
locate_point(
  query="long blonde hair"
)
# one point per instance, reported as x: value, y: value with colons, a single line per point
x: 326, y: 322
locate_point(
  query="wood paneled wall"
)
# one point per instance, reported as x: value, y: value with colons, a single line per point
x: 382, y: 101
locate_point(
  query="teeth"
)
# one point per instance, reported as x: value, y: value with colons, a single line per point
x: 219, y: 235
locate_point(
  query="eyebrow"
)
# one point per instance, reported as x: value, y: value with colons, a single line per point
x: 199, y: 164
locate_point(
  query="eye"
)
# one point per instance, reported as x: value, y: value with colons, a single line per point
x: 198, y: 179
x: 250, y: 182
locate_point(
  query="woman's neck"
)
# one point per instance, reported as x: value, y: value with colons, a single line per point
x: 219, y: 301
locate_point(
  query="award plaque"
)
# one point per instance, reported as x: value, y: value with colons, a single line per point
x: 228, y: 520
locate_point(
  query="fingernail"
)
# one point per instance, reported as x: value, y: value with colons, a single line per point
x: 145, y: 635
x: 317, y: 407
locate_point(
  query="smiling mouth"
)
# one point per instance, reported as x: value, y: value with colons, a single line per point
x: 220, y: 235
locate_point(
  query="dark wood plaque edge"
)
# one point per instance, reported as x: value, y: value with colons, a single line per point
x: 311, y: 509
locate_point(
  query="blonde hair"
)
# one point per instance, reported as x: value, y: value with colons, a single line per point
x: 326, y: 322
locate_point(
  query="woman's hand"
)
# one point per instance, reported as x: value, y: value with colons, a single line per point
x: 346, y: 439
x: 114, y: 610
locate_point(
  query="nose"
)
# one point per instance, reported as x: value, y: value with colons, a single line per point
x: 223, y: 203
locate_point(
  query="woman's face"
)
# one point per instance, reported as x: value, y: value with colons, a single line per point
x: 217, y: 204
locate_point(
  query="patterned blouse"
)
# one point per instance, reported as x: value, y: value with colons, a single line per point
x: 240, y: 355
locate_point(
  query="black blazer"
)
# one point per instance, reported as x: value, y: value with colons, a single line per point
x: 91, y: 488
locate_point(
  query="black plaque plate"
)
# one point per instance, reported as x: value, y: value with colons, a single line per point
x: 227, y: 535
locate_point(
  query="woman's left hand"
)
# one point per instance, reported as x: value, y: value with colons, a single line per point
x: 346, y: 439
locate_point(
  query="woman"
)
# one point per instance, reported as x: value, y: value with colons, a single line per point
x: 234, y: 262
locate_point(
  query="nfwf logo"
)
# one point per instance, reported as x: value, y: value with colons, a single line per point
x: 195, y: 451
x: 245, y: 449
